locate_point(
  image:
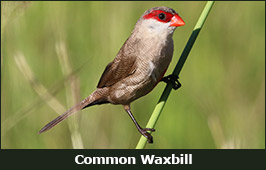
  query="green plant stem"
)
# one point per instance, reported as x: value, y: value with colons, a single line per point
x: 160, y: 105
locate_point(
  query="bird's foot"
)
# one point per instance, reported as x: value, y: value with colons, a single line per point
x: 173, y: 79
x: 146, y: 134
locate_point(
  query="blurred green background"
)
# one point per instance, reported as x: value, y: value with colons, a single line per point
x: 53, y: 54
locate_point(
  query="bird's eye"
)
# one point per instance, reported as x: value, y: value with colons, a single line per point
x: 161, y: 16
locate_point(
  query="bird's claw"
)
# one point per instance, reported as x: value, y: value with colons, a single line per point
x: 147, y: 134
x: 149, y: 129
x: 173, y: 79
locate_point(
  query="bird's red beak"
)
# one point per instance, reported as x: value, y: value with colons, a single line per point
x: 176, y: 21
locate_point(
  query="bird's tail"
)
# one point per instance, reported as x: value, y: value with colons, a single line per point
x: 91, y: 100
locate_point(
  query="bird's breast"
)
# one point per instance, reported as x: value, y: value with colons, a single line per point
x: 151, y: 63
x: 152, y: 71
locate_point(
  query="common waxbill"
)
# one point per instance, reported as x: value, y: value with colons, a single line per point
x: 139, y: 65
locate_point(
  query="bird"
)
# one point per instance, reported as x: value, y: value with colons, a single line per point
x: 137, y: 68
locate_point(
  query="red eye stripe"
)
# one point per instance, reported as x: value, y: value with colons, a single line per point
x: 154, y: 15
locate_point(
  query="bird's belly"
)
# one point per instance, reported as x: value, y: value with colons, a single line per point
x: 136, y: 85
x: 128, y: 93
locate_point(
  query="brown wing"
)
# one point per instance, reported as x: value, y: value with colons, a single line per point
x: 117, y: 70
x: 123, y: 65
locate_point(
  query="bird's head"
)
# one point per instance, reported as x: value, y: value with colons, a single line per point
x: 159, y: 20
